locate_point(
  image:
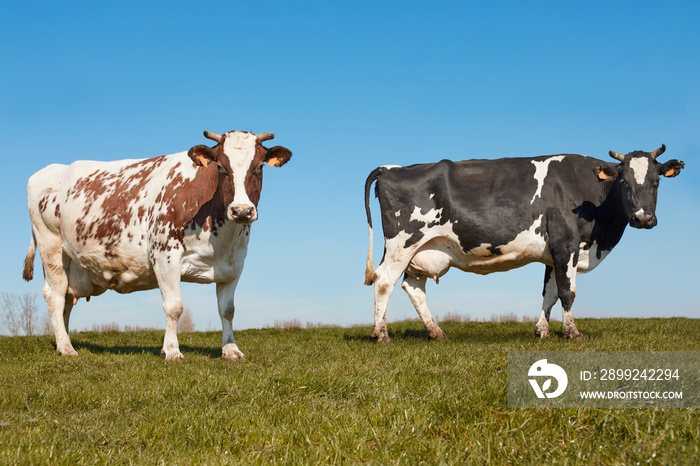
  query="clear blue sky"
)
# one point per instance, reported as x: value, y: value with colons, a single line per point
x: 349, y: 86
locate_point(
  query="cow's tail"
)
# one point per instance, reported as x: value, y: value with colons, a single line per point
x: 369, y: 269
x: 28, y: 273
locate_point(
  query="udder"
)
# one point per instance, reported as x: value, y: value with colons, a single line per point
x: 432, y: 260
x: 80, y: 285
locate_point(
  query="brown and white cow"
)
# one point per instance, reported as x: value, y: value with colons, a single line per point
x: 133, y: 225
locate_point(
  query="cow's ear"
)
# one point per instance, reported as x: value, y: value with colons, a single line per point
x: 202, y: 155
x: 277, y: 156
x: 605, y: 173
x: 671, y: 168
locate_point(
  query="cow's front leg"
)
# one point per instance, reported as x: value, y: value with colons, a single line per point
x: 224, y: 295
x: 550, y: 297
x: 168, y: 276
x: 565, y: 275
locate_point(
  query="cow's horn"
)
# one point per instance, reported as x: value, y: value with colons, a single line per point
x: 617, y: 155
x: 213, y: 136
x: 659, y: 151
x: 265, y: 136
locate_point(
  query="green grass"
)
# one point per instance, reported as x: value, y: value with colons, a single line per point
x: 326, y: 395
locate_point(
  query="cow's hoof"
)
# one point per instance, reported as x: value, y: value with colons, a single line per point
x: 233, y: 356
x: 542, y: 333
x: 174, y: 356
x: 574, y: 336
x: 383, y: 339
x: 437, y: 335
x: 67, y: 352
x: 232, y: 353
x: 381, y: 335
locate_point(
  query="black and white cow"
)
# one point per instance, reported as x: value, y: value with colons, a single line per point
x: 566, y: 211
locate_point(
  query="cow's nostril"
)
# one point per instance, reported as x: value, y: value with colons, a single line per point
x: 644, y: 220
x: 242, y: 212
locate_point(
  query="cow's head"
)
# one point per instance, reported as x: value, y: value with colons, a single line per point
x: 240, y: 157
x: 637, y: 179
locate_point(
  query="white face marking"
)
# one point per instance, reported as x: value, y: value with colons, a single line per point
x: 398, y: 213
x: 541, y: 168
x: 431, y: 196
x: 240, y: 149
x: 640, y: 167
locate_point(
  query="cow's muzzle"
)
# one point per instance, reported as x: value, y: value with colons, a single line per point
x: 644, y: 220
x: 243, y: 213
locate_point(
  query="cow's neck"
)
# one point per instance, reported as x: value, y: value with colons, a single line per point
x: 231, y: 232
x: 611, y: 219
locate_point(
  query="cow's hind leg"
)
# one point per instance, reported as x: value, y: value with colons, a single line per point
x: 224, y: 295
x: 67, y: 308
x: 55, y: 293
x: 385, y: 278
x: 550, y: 297
x: 415, y: 289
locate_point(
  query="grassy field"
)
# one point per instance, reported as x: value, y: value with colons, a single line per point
x: 326, y: 395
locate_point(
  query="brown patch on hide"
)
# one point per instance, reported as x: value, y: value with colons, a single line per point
x: 120, y: 191
x: 186, y: 198
x: 43, y: 202
x: 115, y: 201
